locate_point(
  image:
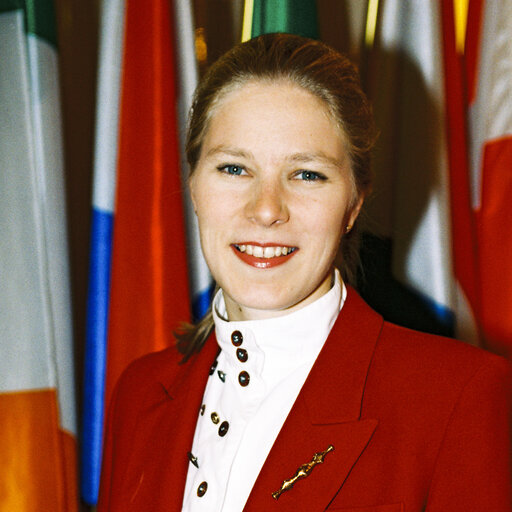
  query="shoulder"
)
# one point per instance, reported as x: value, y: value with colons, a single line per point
x: 413, y: 353
x: 146, y: 377
x: 413, y: 365
x: 154, y: 377
x: 152, y: 366
x: 416, y: 366
x: 420, y: 351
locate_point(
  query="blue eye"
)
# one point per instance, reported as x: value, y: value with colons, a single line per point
x: 310, y: 176
x: 234, y: 170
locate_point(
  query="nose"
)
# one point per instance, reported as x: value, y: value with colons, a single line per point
x: 267, y: 204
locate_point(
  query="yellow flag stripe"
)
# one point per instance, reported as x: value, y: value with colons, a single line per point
x: 371, y: 22
x: 247, y: 20
x: 460, y: 8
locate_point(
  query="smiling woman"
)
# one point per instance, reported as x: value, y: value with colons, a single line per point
x: 276, y: 160
x: 292, y: 388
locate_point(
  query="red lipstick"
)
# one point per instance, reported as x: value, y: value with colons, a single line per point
x: 262, y: 263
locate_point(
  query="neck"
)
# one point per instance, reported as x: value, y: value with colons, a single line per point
x: 239, y: 312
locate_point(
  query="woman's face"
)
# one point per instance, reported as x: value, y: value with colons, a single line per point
x: 273, y: 193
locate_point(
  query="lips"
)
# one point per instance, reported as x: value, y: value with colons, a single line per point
x: 263, y: 255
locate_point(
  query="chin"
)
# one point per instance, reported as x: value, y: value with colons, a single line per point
x: 267, y: 303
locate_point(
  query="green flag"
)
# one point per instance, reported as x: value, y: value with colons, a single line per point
x: 292, y: 16
x: 37, y: 400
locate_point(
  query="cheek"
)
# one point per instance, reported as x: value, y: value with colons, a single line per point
x: 214, y: 219
x: 329, y: 221
x: 202, y: 198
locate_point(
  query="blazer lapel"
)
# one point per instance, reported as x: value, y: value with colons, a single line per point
x: 166, y: 430
x: 327, y: 412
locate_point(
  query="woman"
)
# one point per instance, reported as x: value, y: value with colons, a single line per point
x: 302, y: 397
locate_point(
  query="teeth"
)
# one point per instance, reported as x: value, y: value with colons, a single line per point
x: 257, y: 251
x: 265, y: 252
x: 269, y: 252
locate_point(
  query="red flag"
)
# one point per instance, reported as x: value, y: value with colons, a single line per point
x: 149, y: 290
x: 464, y: 243
x: 489, y: 64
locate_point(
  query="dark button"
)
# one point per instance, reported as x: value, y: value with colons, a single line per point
x: 215, y: 418
x: 243, y: 378
x: 192, y: 458
x: 201, y: 490
x: 241, y: 353
x: 222, y: 375
x: 203, y: 407
x: 236, y: 338
x: 223, y: 429
x: 214, y: 365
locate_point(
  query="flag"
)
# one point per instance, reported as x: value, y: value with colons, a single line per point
x: 102, y: 219
x: 489, y: 64
x: 37, y: 398
x: 411, y: 206
x: 464, y: 241
x: 148, y: 294
x: 291, y: 16
x: 201, y: 282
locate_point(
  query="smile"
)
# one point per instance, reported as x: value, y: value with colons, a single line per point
x: 265, y: 252
x: 264, y: 256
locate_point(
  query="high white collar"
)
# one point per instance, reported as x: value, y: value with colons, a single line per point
x: 281, y: 344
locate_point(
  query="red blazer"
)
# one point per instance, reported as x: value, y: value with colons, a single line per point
x: 418, y: 423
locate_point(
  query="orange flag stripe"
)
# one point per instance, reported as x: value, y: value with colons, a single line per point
x: 37, y: 458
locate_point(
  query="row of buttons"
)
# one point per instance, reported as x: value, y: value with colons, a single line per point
x: 243, y: 379
x: 242, y: 355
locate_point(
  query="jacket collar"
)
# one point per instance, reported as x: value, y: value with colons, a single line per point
x: 342, y: 366
x: 326, y: 412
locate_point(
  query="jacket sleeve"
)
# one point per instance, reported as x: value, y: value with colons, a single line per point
x: 120, y: 424
x: 473, y: 469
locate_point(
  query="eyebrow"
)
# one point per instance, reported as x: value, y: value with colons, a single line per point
x: 226, y: 150
x: 294, y: 158
x: 311, y: 157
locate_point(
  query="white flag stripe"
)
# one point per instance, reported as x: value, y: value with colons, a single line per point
x: 186, y: 54
x: 488, y: 119
x: 35, y: 313
x: 23, y: 301
x: 422, y: 238
x: 199, y: 275
x: 108, y: 99
x: 49, y: 167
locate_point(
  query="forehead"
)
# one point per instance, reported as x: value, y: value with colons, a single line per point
x: 264, y: 90
x: 278, y: 111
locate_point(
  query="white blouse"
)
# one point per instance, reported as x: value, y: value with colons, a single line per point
x: 249, y: 394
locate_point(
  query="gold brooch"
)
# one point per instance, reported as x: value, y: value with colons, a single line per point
x: 303, y: 471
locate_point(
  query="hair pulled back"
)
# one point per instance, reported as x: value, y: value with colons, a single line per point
x: 307, y: 63
x: 313, y: 66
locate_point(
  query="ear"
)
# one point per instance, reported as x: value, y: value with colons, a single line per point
x: 191, y: 189
x: 354, y: 212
